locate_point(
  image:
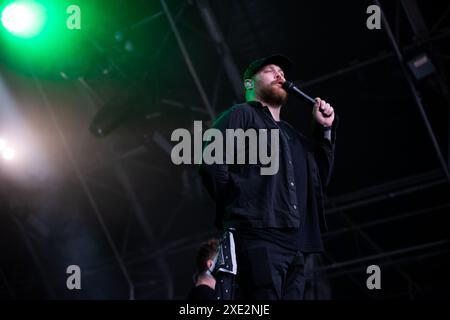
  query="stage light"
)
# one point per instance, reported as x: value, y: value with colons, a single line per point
x: 421, y: 66
x: 2, y: 144
x: 8, y: 153
x: 24, y: 19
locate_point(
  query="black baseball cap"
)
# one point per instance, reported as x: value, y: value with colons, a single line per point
x: 282, y: 61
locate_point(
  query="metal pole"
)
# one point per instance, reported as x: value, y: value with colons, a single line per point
x: 386, y: 254
x: 420, y: 29
x: 86, y: 189
x: 415, y: 94
x: 222, y: 48
x: 188, y: 60
x: 330, y: 234
x: 132, y: 196
x: 342, y: 71
x: 37, y: 261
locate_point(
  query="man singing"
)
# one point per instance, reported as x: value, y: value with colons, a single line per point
x: 271, y: 223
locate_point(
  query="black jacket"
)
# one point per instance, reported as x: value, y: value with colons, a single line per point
x: 244, y: 197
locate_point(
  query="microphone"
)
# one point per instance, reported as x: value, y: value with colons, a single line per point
x: 289, y: 86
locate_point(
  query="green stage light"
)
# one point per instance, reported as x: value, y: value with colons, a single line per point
x: 24, y: 19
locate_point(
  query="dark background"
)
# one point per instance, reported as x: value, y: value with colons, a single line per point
x: 116, y: 205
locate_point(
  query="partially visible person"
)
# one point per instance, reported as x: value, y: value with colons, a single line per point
x: 272, y: 224
x: 205, y: 283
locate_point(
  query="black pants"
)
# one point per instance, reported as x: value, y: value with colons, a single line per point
x: 267, y: 271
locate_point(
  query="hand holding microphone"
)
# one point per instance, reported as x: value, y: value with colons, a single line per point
x: 323, y: 112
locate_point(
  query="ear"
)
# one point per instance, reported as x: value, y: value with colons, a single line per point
x: 248, y: 84
x: 209, y: 263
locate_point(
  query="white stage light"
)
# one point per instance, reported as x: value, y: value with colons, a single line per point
x: 8, y: 153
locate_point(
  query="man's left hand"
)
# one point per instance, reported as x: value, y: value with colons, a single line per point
x: 326, y: 119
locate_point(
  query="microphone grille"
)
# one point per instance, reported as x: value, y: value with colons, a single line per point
x: 287, y: 85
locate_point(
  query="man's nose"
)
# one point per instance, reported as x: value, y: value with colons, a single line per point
x: 278, y: 75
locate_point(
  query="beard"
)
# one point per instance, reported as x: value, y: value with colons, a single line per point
x: 272, y: 94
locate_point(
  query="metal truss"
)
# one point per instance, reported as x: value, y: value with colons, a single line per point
x: 132, y: 263
x: 342, y: 203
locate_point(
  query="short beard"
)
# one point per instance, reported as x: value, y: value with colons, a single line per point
x: 273, y: 95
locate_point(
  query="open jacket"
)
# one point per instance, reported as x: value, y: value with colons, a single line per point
x: 244, y: 197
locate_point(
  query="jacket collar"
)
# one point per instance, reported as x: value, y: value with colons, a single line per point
x: 256, y: 104
x: 264, y: 108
